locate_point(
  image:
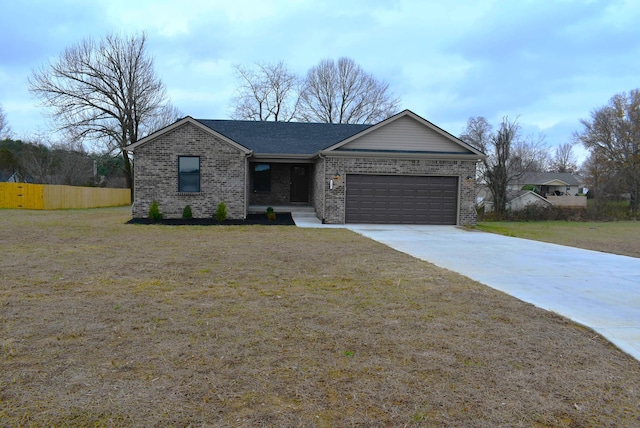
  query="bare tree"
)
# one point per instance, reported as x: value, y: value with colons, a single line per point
x: 39, y: 163
x: 73, y: 165
x: 600, y: 178
x: 342, y: 92
x: 266, y: 92
x: 166, y: 115
x: 564, y: 160
x: 106, y: 91
x: 508, y: 156
x: 530, y: 154
x: 614, y: 134
x: 5, y: 130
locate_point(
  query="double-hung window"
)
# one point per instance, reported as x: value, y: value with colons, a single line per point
x: 188, y: 174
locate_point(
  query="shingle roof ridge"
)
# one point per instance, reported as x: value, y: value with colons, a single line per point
x: 283, y: 137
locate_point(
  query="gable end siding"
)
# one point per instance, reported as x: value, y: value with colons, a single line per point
x: 404, y: 134
x: 222, y: 175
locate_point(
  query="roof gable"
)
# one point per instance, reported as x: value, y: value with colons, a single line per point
x: 406, y: 132
x: 529, y: 195
x: 555, y: 182
x: 182, y: 122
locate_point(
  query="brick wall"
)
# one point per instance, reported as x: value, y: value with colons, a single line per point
x: 318, y: 187
x: 222, y: 175
x: 334, y: 204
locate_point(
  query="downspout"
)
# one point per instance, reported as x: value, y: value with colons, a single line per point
x: 247, y: 180
x: 324, y: 184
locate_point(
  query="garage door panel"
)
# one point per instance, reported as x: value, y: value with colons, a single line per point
x: 401, y: 199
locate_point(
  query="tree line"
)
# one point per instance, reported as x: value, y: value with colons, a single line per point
x: 35, y: 162
x: 612, y: 170
x: 612, y: 136
x: 510, y: 154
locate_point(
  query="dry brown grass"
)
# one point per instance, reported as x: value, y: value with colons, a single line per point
x: 616, y: 237
x: 107, y: 324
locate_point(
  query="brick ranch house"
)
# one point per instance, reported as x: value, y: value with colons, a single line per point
x: 401, y: 170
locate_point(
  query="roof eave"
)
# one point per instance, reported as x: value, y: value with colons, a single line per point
x: 282, y: 157
x: 400, y: 155
x: 181, y: 122
x: 555, y: 179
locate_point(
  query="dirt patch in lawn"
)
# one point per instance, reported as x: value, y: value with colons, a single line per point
x: 108, y: 324
x: 618, y: 237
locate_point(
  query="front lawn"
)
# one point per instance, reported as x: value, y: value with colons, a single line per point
x: 617, y: 237
x: 104, y: 323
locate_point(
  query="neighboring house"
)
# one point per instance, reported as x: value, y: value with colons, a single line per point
x: 543, y: 189
x: 401, y: 170
x: 550, y: 183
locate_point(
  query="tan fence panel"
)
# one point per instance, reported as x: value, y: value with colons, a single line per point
x: 60, y: 197
x: 568, y: 201
x: 51, y: 197
x: 21, y: 195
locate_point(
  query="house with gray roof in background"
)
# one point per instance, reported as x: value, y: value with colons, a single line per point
x: 403, y: 170
x: 545, y: 189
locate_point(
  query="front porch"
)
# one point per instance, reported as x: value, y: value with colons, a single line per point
x: 302, y: 214
x: 281, y: 184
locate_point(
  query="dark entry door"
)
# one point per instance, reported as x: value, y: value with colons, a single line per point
x: 299, y: 183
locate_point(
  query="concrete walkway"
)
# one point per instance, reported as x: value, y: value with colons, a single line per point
x: 598, y: 290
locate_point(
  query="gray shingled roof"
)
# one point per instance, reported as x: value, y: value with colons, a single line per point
x: 296, y: 138
x: 545, y: 177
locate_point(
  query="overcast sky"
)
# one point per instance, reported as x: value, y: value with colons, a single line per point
x: 548, y: 62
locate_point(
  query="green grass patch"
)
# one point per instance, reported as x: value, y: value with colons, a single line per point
x: 620, y: 237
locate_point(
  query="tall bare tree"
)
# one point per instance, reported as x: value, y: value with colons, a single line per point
x: 266, y: 92
x: 106, y: 91
x: 342, y: 92
x: 613, y: 132
x: 509, y: 156
x: 5, y: 130
x: 564, y: 159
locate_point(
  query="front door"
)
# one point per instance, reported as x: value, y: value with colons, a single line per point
x: 299, y: 183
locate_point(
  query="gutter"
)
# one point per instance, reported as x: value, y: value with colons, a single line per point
x: 387, y: 155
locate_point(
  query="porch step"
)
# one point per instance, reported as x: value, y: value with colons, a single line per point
x: 303, y: 215
x: 306, y: 218
x: 259, y: 209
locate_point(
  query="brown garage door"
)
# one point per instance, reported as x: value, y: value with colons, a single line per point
x: 401, y: 199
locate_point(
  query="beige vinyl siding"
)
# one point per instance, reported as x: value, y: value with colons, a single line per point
x: 404, y: 134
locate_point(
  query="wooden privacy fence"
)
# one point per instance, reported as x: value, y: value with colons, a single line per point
x: 53, y: 197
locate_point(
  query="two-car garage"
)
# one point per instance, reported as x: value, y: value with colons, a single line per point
x: 401, y: 199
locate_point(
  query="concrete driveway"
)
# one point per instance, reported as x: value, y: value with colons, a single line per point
x: 599, y: 290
